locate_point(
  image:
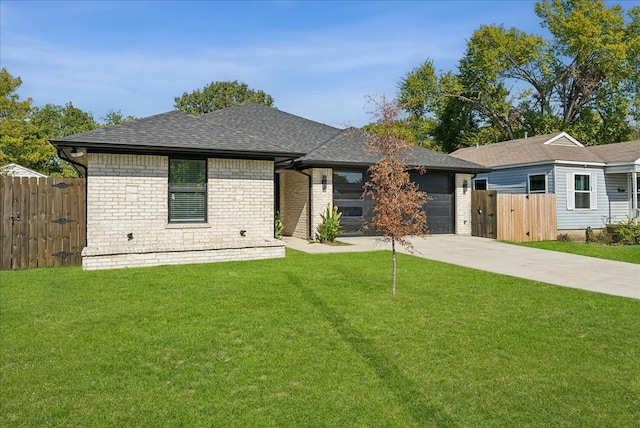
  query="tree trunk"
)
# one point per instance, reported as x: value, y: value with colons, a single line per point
x: 393, y: 256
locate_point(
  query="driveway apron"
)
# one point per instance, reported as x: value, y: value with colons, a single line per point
x: 552, y: 267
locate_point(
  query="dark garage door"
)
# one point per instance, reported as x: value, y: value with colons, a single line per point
x: 356, y: 209
x: 440, y: 208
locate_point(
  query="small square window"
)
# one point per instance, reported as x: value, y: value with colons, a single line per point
x: 538, y: 183
x: 480, y: 184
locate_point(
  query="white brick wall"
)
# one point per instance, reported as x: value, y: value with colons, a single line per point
x: 463, y: 205
x: 320, y: 196
x: 294, y: 200
x: 294, y: 203
x: 128, y: 194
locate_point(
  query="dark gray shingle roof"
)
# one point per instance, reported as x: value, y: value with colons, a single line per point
x: 245, y: 130
x: 348, y: 149
x: 174, y: 130
x: 281, y: 128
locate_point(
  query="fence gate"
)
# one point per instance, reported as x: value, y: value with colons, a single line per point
x: 513, y: 217
x: 527, y: 218
x: 43, y: 222
x: 484, y: 218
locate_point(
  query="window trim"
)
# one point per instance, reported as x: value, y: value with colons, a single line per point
x: 205, y: 192
x: 529, y: 191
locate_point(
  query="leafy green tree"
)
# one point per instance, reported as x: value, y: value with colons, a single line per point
x: 584, y: 80
x: 115, y: 117
x: 53, y: 122
x: 25, y: 131
x: 56, y: 121
x: 219, y: 95
x: 20, y: 140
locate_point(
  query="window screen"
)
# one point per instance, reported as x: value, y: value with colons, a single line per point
x: 187, y: 190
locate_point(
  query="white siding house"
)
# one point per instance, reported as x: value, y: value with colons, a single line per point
x: 594, y: 186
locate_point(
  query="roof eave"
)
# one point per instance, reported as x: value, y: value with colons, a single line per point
x: 342, y: 164
x: 547, y: 162
x: 194, y: 151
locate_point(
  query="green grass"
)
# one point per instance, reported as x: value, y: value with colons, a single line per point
x: 627, y: 253
x: 313, y: 340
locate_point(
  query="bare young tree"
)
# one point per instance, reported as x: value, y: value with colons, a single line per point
x: 397, y: 201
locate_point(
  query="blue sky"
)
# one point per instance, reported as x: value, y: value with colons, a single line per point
x: 318, y: 59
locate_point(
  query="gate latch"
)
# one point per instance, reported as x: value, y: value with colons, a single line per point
x: 15, y: 217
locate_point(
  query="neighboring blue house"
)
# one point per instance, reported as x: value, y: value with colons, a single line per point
x: 594, y: 185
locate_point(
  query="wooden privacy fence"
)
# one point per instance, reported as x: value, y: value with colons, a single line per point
x: 43, y: 221
x: 514, y: 217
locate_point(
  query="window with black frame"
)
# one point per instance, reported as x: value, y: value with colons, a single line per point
x: 187, y: 190
x: 480, y: 184
x: 537, y: 183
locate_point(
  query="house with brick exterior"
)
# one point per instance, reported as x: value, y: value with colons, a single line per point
x: 594, y: 185
x: 175, y: 188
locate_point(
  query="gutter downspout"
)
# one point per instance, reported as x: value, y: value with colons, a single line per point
x: 75, y: 164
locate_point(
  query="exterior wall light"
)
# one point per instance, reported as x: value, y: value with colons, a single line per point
x: 75, y: 153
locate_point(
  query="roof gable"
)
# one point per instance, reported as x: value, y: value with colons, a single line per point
x: 15, y: 170
x: 563, y: 139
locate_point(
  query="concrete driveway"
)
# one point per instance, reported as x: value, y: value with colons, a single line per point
x: 552, y: 267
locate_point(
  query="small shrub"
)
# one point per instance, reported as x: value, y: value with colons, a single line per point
x: 589, y: 235
x: 604, y: 238
x: 278, y: 226
x: 330, y: 227
x: 628, y: 233
x: 564, y: 237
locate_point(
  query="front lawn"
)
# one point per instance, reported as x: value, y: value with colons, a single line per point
x: 626, y: 253
x: 313, y: 340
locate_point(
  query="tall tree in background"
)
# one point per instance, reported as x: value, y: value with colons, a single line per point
x: 55, y: 121
x: 219, y: 95
x: 25, y: 130
x: 20, y: 140
x: 116, y: 117
x: 397, y: 202
x: 510, y: 83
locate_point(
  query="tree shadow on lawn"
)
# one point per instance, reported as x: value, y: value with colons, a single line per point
x: 405, y: 390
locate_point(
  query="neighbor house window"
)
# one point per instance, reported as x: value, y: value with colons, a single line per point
x: 480, y: 184
x: 187, y: 190
x: 538, y: 183
x: 581, y: 191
